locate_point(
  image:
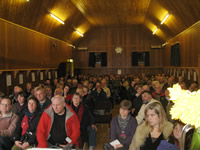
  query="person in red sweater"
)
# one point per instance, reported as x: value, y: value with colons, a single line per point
x: 58, y: 125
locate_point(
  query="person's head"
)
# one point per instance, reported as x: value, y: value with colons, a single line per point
x: 5, y: 105
x: 158, y: 88
x: 85, y: 90
x: 91, y: 85
x: 58, y: 104
x: 58, y: 91
x: 47, y: 82
x: 170, y: 81
x: 125, y: 107
x: 33, y: 103
x: 48, y: 91
x: 167, y: 93
x: 21, y: 97
x: 180, y: 79
x: 86, y: 83
x: 177, y: 130
x: 155, y: 116
x: 137, y: 80
x: 104, y: 82
x: 183, y: 86
x: 161, y: 79
x: 132, y: 83
x: 145, y: 88
x: 193, y: 86
x: 28, y: 86
x: 74, y: 82
x: 139, y: 89
x: 17, y: 89
x: 66, y: 89
x: 76, y: 99
x: 98, y: 85
x: 40, y: 94
x: 80, y: 91
x: 55, y: 81
x: 146, y: 96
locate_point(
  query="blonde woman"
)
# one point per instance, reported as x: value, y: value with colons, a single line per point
x: 155, y: 128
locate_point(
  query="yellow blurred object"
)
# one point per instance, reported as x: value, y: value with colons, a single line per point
x: 186, y: 105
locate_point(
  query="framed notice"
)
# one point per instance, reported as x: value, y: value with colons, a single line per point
x: 49, y: 75
x: 195, y: 76
x: 188, y: 75
x: 56, y: 74
x: 8, y: 80
x: 41, y: 75
x: 183, y: 73
x: 174, y: 72
x: 21, y: 79
x: 177, y: 73
x: 33, y: 76
x: 119, y: 71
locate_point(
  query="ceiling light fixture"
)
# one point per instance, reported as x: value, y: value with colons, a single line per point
x: 56, y: 18
x: 79, y: 33
x: 165, y: 18
x: 154, y: 32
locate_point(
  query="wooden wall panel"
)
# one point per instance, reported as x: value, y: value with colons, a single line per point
x: 189, y: 47
x: 22, y: 48
x: 131, y: 39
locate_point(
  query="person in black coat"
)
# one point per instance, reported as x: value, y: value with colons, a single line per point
x: 25, y: 132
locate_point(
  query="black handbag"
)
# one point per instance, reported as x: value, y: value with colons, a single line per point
x: 107, y: 146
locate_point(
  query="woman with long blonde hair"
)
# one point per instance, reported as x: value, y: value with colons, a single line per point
x: 155, y: 128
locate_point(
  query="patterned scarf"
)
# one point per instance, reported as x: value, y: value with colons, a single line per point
x: 123, y: 122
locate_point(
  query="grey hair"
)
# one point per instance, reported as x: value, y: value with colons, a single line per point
x: 61, y: 98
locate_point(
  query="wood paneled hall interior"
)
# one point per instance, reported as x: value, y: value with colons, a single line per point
x: 40, y: 38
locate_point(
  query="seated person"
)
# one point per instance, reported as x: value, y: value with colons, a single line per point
x: 155, y: 128
x: 56, y: 119
x: 8, y: 121
x: 123, y: 126
x: 86, y: 121
x: 175, y: 138
x: 19, y: 106
x: 25, y: 132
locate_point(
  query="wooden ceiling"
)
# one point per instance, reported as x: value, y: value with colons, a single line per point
x: 83, y: 15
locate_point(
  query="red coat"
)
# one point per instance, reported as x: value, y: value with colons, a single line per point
x: 45, y: 124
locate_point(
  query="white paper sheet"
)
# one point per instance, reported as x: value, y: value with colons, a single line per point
x: 119, y: 71
x: 49, y: 75
x: 115, y: 142
x: 8, y: 80
x: 33, y: 76
x: 21, y: 79
x: 41, y: 76
x: 195, y: 76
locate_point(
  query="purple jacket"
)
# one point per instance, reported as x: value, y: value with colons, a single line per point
x: 129, y: 131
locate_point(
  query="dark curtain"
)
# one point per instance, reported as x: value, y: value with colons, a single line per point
x: 134, y: 59
x: 92, y: 59
x: 175, y: 55
x: 146, y: 61
x: 104, y: 59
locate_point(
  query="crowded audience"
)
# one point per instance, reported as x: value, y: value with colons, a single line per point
x: 60, y: 113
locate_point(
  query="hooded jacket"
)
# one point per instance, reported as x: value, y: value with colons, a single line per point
x: 72, y: 126
x: 142, y: 133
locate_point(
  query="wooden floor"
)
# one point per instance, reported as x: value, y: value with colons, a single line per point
x: 103, y: 131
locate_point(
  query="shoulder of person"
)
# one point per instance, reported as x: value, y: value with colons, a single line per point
x: 167, y: 130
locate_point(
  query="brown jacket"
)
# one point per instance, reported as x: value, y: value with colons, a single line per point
x: 8, y: 124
